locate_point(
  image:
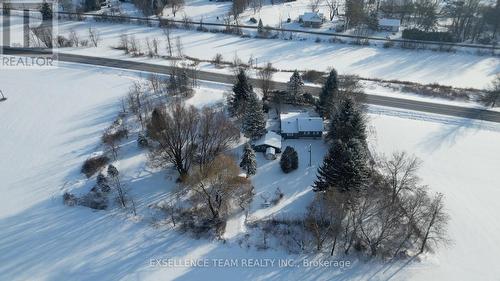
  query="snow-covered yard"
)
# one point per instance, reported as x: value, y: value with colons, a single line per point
x: 52, y: 122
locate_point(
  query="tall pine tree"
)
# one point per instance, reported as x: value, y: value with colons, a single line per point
x: 260, y: 26
x: 46, y: 11
x: 344, y: 167
x: 241, y: 92
x: 248, y: 162
x: 254, y: 119
x: 295, y: 87
x: 328, y: 94
x: 347, y: 122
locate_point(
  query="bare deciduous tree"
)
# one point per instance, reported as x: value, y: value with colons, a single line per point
x: 134, y: 46
x: 332, y: 8
x: 94, y: 36
x: 166, y: 31
x: 216, y: 134
x: 41, y: 36
x: 237, y: 7
x: 178, y: 46
x: 400, y: 173
x: 175, y: 130
x: 492, y: 97
x: 74, y: 38
x: 434, y: 227
x: 175, y: 5
x: 138, y: 103
x: 314, y: 5
x: 115, y: 176
x: 218, y: 187
x: 265, y: 76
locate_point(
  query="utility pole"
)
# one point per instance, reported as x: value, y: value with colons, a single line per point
x: 310, y: 155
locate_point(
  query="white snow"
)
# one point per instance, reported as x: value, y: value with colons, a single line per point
x: 52, y: 122
x: 454, y: 69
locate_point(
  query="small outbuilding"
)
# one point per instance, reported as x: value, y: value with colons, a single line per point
x: 270, y: 153
x: 269, y: 140
x: 311, y: 19
x: 392, y: 25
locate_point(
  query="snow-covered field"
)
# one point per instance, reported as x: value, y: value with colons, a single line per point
x: 272, y: 13
x: 454, y: 69
x: 52, y: 122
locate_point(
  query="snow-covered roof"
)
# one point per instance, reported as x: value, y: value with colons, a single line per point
x: 389, y: 22
x: 312, y: 17
x: 294, y: 122
x: 270, y: 139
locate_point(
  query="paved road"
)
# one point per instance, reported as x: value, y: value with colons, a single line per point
x: 400, y: 103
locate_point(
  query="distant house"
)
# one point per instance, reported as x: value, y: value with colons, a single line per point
x: 311, y: 19
x: 389, y: 24
x: 300, y: 124
x: 269, y: 140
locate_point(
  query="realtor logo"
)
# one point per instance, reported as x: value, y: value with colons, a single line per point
x: 28, y: 34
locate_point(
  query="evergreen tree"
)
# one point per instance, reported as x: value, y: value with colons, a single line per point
x: 328, y: 93
x: 254, y: 119
x: 295, y: 87
x: 260, y: 27
x: 347, y: 122
x: 241, y: 92
x: 102, y: 183
x: 115, y: 175
x: 91, y: 5
x: 248, y: 162
x: 113, y: 171
x: 289, y: 160
x: 46, y: 11
x: 344, y: 167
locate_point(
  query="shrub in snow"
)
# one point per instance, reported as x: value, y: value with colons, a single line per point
x: 278, y: 195
x: 217, y: 60
x: 289, y: 160
x: 142, y: 141
x: 94, y: 164
x: 94, y: 200
x: 69, y: 199
x: 111, y: 137
x: 102, y: 183
x: 388, y: 44
x: 63, y: 42
x: 312, y: 76
x: 309, y: 99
